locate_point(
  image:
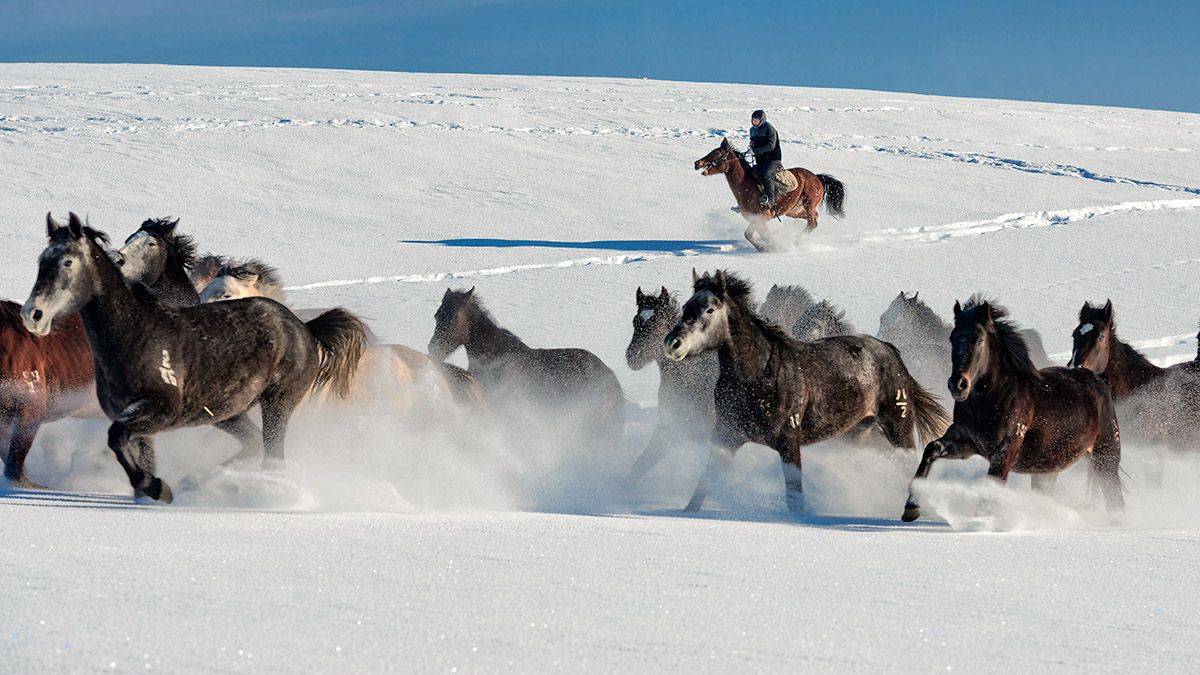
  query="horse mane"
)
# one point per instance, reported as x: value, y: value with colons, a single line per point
x: 96, y: 236
x: 269, y: 281
x: 1013, y: 350
x: 181, y: 249
x: 740, y: 291
x: 474, y: 304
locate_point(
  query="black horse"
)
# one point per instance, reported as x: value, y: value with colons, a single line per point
x: 162, y: 260
x: 569, y: 388
x: 1020, y: 418
x: 1160, y: 404
x: 159, y: 367
x: 685, y: 390
x: 787, y: 394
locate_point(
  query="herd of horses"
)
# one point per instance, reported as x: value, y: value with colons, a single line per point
x: 154, y: 337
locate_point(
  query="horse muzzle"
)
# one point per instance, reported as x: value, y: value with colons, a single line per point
x: 960, y: 387
x: 36, y: 320
x: 674, y: 348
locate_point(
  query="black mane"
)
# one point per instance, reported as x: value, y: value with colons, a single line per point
x: 740, y: 291
x: 1013, y: 349
x: 181, y: 249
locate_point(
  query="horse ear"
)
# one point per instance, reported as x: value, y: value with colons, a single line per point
x: 640, y: 295
x: 914, y: 297
x: 724, y: 142
x: 720, y: 278
x: 471, y: 293
x: 695, y: 276
x: 957, y: 309
x: 665, y: 295
x: 1108, y: 312
x: 76, y: 226
x: 169, y: 227
x: 447, y: 293
x: 51, y: 225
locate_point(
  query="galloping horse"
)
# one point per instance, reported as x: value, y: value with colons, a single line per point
x: 1020, y: 418
x: 159, y: 367
x: 161, y: 259
x: 390, y: 364
x: 1162, y: 403
x: 787, y: 394
x: 570, y: 387
x: 685, y: 389
x: 41, y: 380
x: 799, y: 203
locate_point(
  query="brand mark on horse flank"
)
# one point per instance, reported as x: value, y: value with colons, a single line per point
x: 167, y: 372
x: 902, y: 402
x: 31, y: 377
x: 794, y: 420
x: 1085, y: 328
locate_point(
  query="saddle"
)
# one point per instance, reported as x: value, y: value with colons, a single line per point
x: 785, y: 181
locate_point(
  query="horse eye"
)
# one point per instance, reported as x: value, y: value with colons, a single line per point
x: 67, y: 263
x: 710, y: 310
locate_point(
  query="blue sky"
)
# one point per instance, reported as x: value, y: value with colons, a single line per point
x: 1131, y: 54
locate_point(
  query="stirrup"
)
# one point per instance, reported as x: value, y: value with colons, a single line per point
x: 735, y: 209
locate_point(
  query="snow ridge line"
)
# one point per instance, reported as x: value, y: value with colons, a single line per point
x: 442, y: 276
x: 1012, y: 221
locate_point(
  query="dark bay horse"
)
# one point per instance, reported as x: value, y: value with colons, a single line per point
x: 569, y: 388
x: 160, y: 367
x: 41, y: 380
x: 787, y: 394
x: 799, y: 203
x: 1162, y: 404
x: 1020, y: 418
x: 161, y: 259
x: 685, y: 389
x: 923, y: 339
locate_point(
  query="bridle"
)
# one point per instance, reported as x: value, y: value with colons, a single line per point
x: 723, y: 159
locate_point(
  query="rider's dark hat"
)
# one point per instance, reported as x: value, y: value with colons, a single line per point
x: 757, y: 115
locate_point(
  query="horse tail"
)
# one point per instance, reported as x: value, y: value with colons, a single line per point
x: 930, y: 418
x: 341, y: 338
x: 835, y: 195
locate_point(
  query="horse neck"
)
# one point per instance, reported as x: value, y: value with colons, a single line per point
x: 1127, y: 369
x: 1001, y: 380
x: 112, y: 316
x: 175, y: 286
x: 745, y: 189
x: 487, y: 341
x: 747, y: 350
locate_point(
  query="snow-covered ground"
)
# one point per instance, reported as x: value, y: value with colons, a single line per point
x: 390, y: 546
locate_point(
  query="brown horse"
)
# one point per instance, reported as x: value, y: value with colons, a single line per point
x: 41, y: 380
x: 1020, y: 418
x: 1160, y: 404
x: 799, y: 203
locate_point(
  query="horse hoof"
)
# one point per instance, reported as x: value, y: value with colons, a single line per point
x: 24, y: 483
x: 911, y: 513
x: 156, y: 490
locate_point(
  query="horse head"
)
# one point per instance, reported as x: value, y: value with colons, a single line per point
x: 717, y: 161
x: 247, y: 279
x: 822, y: 320
x: 144, y: 255
x: 452, y: 323
x: 657, y: 314
x: 206, y: 269
x: 970, y: 347
x: 705, y: 321
x: 1092, y: 338
x: 67, y: 271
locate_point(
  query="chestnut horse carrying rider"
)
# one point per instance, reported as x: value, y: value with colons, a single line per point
x: 764, y: 144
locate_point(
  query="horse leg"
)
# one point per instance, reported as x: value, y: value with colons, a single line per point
x: 724, y: 445
x: 810, y: 212
x: 764, y: 234
x: 240, y: 427
x: 19, y: 443
x: 933, y: 451
x: 655, y: 450
x: 1106, y: 467
x: 793, y: 486
x: 127, y: 439
x: 276, y: 410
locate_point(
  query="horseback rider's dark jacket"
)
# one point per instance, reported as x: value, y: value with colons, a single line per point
x: 765, y: 144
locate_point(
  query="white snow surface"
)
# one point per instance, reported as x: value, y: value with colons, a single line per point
x: 387, y: 545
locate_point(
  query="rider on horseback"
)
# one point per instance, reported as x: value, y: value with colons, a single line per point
x: 764, y: 144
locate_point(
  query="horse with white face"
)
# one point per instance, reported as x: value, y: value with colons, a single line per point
x: 160, y: 367
x: 786, y: 394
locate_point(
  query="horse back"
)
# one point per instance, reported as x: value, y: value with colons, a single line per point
x: 1071, y: 407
